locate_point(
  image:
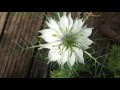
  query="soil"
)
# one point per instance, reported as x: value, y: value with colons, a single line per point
x: 107, y: 23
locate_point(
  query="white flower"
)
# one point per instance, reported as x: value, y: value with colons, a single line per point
x: 66, y: 39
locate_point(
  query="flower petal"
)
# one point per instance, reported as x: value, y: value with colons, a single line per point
x: 86, y: 32
x: 77, y: 25
x: 53, y: 25
x: 70, y: 20
x: 82, y: 46
x: 71, y: 60
x: 63, y: 23
x: 50, y: 45
x: 79, y: 55
x: 84, y: 43
x: 64, y: 57
x: 87, y: 41
x: 49, y: 35
x: 54, y: 54
x: 46, y: 31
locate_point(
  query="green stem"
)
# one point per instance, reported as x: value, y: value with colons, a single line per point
x: 33, y: 46
x: 91, y: 57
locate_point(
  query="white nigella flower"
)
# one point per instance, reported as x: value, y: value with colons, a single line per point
x: 66, y: 39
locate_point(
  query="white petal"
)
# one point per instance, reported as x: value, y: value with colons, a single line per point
x: 46, y: 31
x: 84, y: 42
x: 70, y: 20
x: 86, y: 32
x: 54, y: 54
x: 53, y: 25
x: 77, y: 25
x: 50, y: 45
x: 79, y: 55
x: 63, y: 22
x: 48, y: 35
x: 64, y: 13
x: 81, y: 23
x: 71, y: 60
x: 58, y: 15
x: 87, y: 41
x: 64, y: 57
x: 82, y: 46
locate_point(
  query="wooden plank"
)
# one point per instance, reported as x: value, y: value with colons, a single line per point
x: 21, y: 26
x: 3, y: 16
x: 36, y: 70
x: 18, y: 55
x: 4, y: 44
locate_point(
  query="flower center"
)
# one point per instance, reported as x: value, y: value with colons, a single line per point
x: 69, y: 41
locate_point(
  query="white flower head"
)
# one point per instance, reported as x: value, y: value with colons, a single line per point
x: 66, y: 39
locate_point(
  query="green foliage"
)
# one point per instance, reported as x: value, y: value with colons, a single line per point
x: 113, y: 64
x: 66, y: 72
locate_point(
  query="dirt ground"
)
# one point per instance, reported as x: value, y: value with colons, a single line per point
x: 107, y: 23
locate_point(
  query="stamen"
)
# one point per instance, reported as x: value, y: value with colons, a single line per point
x: 70, y: 40
x: 54, y: 35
